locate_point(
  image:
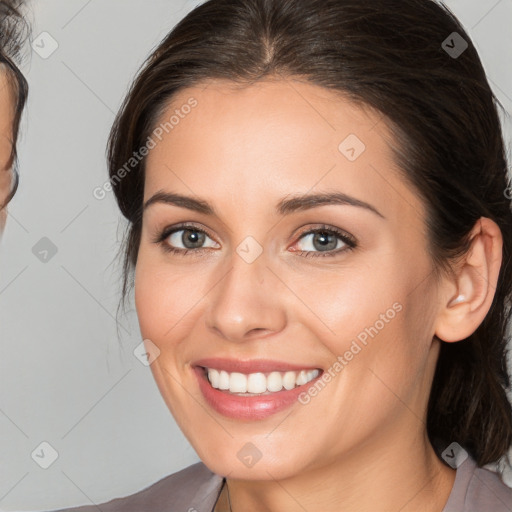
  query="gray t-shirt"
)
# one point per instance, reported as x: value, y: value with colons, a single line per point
x: 196, y: 489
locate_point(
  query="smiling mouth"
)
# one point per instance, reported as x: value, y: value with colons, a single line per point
x: 259, y: 383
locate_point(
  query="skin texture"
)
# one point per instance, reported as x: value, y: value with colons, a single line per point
x: 7, y: 113
x: 361, y: 443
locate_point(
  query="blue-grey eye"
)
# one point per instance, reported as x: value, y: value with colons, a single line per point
x: 321, y: 241
x: 189, y: 238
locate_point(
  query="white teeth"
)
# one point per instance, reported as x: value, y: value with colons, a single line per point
x: 257, y: 383
x: 223, y: 379
x: 289, y: 380
x: 274, y: 382
x: 237, y: 383
x: 214, y: 377
x: 302, y: 378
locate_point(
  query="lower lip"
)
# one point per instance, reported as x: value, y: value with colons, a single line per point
x: 257, y: 407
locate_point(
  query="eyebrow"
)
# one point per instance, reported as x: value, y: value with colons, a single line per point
x: 285, y: 206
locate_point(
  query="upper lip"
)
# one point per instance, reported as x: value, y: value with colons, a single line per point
x: 250, y: 366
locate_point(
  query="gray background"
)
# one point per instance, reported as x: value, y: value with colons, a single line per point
x: 66, y: 377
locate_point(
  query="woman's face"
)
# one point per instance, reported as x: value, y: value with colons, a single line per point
x: 6, y: 122
x: 258, y: 293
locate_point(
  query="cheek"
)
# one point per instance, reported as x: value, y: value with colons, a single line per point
x: 377, y: 319
x: 155, y: 298
x: 352, y: 304
x: 166, y: 299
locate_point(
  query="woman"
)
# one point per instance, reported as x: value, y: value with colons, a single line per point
x: 13, y: 96
x: 321, y: 244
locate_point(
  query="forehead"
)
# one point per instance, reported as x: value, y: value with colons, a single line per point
x: 270, y: 139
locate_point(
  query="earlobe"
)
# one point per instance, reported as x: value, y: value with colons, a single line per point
x: 463, y: 311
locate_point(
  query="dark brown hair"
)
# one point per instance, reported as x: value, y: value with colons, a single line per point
x: 395, y: 56
x: 13, y: 32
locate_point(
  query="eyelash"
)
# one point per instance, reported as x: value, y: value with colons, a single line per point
x: 347, y: 239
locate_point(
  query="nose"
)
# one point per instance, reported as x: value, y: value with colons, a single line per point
x: 247, y: 303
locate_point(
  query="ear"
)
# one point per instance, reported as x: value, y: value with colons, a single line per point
x: 466, y: 302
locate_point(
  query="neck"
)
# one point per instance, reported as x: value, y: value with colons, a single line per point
x: 406, y: 475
